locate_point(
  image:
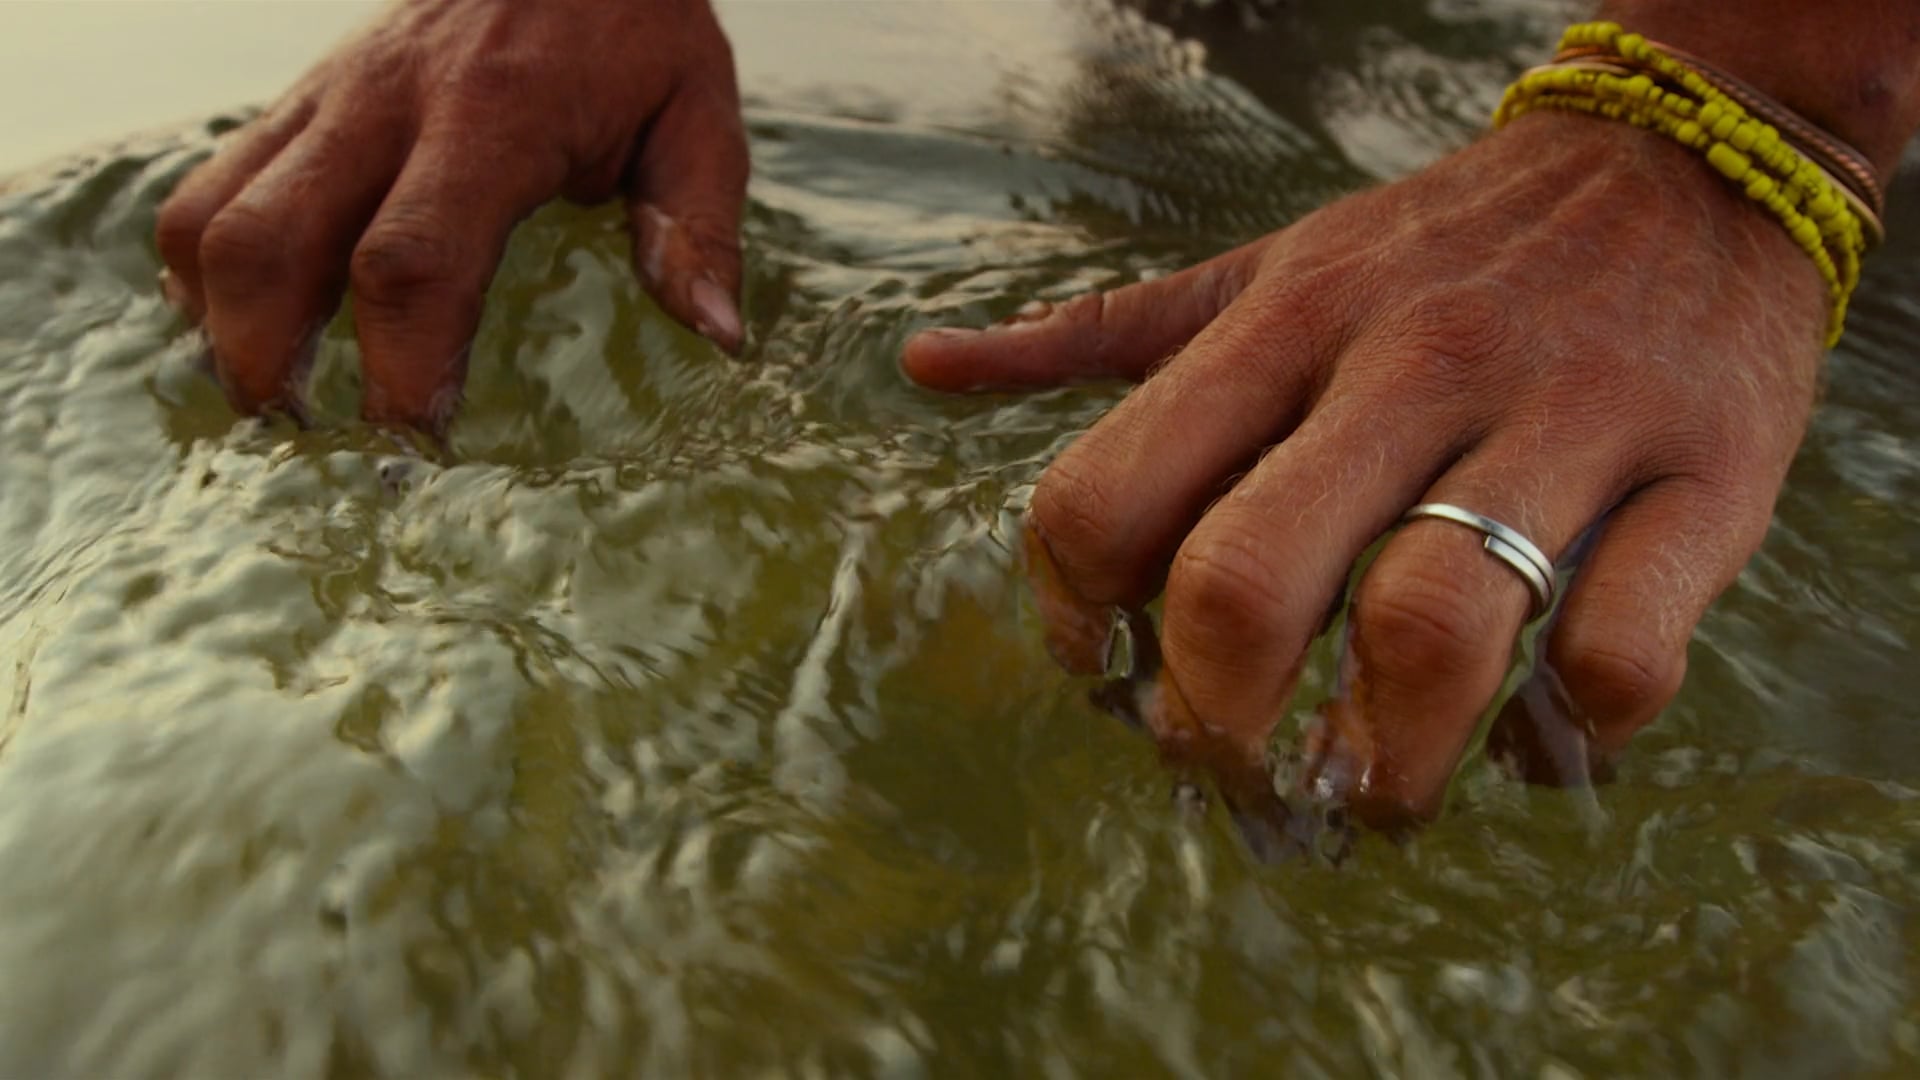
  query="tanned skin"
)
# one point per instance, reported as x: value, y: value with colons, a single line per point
x: 1571, y: 323
x: 400, y: 163
x: 1852, y: 67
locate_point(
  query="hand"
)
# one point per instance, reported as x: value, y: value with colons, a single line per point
x: 401, y: 163
x: 1570, y: 323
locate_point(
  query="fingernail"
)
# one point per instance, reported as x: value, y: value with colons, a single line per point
x: 953, y: 333
x: 715, y: 315
x: 170, y: 288
x: 177, y: 296
x: 1030, y: 312
x: 1133, y: 665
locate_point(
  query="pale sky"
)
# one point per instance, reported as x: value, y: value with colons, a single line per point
x: 75, y: 72
x: 79, y: 72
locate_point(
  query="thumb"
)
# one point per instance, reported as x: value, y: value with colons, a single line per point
x: 689, y: 186
x: 1123, y: 333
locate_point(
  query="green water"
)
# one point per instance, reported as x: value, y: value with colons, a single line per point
x: 688, y: 718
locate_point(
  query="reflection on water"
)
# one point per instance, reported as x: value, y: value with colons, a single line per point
x: 689, y: 719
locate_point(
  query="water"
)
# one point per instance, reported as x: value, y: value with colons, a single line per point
x: 689, y: 718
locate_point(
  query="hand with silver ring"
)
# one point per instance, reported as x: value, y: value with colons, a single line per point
x: 1570, y: 325
x: 1502, y: 543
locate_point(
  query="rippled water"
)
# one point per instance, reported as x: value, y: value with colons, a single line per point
x: 689, y: 717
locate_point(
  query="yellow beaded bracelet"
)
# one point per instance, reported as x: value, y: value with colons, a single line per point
x: 1622, y: 76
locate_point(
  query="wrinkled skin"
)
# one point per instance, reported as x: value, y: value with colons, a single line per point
x: 1570, y: 322
x: 400, y: 163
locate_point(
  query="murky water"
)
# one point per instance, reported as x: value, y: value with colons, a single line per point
x: 689, y: 719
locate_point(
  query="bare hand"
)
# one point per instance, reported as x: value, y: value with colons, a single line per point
x: 1569, y: 323
x: 401, y: 163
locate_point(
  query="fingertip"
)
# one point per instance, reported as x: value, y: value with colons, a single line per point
x: 939, y: 359
x: 1039, y: 346
x: 1171, y: 720
x: 257, y: 387
x: 702, y: 305
x: 181, y: 298
x: 694, y: 276
x: 1078, y: 631
x: 1125, y: 333
x: 409, y: 399
x: 1538, y: 737
x: 1382, y: 787
x: 246, y: 394
x: 716, y: 316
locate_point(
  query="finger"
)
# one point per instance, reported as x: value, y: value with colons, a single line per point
x: 421, y: 271
x: 1435, y: 620
x: 273, y: 261
x: 689, y: 188
x: 1264, y: 817
x: 1618, y: 651
x: 183, y: 218
x: 1122, y: 333
x: 1107, y: 515
x: 1249, y: 587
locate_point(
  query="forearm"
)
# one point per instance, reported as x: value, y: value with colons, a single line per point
x: 1852, y: 67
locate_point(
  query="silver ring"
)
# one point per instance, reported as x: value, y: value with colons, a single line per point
x: 1502, y: 543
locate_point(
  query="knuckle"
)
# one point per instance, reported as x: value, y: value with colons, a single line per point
x: 1224, y: 584
x: 243, y: 244
x: 1620, y: 679
x: 1447, y: 338
x: 1419, y: 621
x: 1705, y: 452
x: 399, y: 259
x: 1287, y: 294
x: 1723, y: 449
x: 484, y: 76
x: 1438, y: 363
x: 1084, y: 530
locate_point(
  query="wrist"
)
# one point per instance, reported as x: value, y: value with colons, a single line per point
x: 1589, y: 169
x: 1852, y: 69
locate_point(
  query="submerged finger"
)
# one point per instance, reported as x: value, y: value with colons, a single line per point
x: 1617, y: 653
x: 1108, y: 514
x: 1436, y: 617
x: 1119, y: 334
x: 274, y: 259
x: 420, y: 273
x: 1250, y: 586
x: 688, y: 192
